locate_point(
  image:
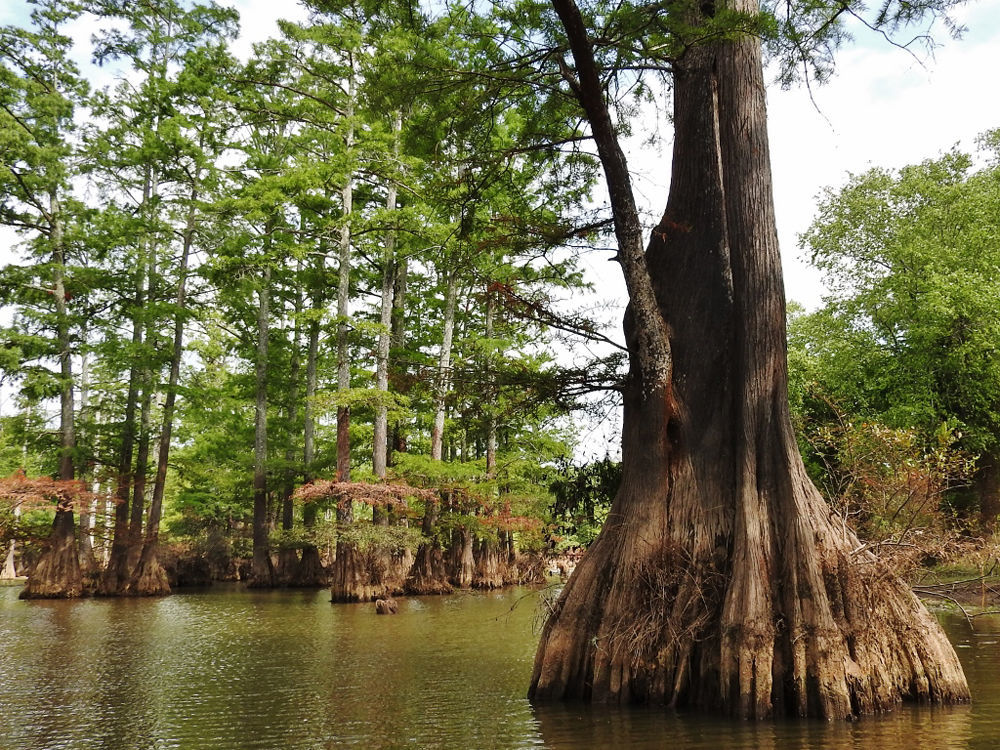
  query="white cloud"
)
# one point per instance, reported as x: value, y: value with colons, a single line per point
x: 882, y: 109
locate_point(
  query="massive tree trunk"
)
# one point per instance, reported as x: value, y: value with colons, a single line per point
x: 429, y: 574
x: 57, y: 573
x: 721, y: 580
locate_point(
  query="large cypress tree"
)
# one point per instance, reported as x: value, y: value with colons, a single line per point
x: 721, y: 579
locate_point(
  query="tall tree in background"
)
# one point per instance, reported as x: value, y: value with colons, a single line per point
x: 137, y: 159
x: 721, y: 579
x: 40, y: 89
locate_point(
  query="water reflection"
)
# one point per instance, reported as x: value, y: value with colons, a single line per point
x: 234, y: 669
x: 563, y: 727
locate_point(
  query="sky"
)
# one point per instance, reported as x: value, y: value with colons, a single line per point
x: 884, y: 107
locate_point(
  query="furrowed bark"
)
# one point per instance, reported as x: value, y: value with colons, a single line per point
x: 720, y: 581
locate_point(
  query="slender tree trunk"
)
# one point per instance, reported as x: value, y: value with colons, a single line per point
x: 491, y: 395
x: 9, y: 569
x: 350, y: 578
x: 57, y: 573
x: 380, y: 450
x: 288, y: 560
x: 444, y: 367
x: 343, y: 310
x: 138, y: 507
x: 720, y: 580
x: 149, y: 578
x: 85, y: 543
x: 261, y: 569
x: 398, y: 339
x: 148, y: 384
x: 116, y: 572
x: 310, y: 571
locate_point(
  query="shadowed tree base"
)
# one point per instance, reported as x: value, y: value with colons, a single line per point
x: 310, y: 572
x: 461, y: 561
x: 149, y: 578
x: 350, y: 577
x: 429, y: 574
x: 287, y: 566
x: 655, y: 613
x: 57, y: 573
x: 491, y: 569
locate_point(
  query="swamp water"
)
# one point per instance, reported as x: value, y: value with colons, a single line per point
x: 230, y: 669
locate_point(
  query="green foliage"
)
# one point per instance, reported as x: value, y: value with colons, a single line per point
x: 909, y: 333
x: 583, y: 496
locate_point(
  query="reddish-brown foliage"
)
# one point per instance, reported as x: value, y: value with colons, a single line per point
x: 40, y: 492
x: 381, y: 495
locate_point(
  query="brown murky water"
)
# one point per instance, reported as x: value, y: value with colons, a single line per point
x: 227, y: 668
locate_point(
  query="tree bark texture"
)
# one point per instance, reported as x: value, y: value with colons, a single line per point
x: 462, y: 563
x: 721, y: 580
x: 491, y: 566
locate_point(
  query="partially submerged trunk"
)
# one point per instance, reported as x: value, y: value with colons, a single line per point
x: 429, y: 574
x: 57, y: 573
x: 490, y: 571
x: 461, y: 563
x: 350, y: 579
x: 721, y: 580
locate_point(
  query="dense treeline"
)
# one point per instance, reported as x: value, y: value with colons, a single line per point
x: 238, y: 277
x: 895, y: 380
x: 251, y: 291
